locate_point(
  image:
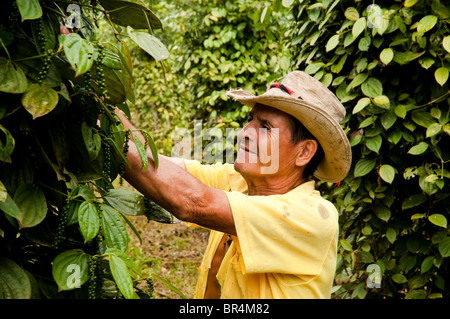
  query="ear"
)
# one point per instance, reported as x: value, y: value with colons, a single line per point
x: 306, y: 151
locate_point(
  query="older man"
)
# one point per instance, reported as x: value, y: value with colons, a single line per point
x: 272, y: 234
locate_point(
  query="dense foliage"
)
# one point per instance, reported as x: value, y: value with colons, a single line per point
x: 389, y: 65
x: 63, y: 225
x: 214, y: 46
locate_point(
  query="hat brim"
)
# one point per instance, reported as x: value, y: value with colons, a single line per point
x: 328, y: 132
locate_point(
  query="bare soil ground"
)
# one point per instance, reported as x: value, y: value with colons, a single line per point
x: 171, y: 251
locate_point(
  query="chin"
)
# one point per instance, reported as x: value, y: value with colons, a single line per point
x: 247, y: 168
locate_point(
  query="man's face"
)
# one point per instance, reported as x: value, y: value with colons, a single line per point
x: 264, y: 144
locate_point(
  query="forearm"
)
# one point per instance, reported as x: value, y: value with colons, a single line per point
x: 179, y: 192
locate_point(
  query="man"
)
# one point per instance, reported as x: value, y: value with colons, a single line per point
x: 272, y: 235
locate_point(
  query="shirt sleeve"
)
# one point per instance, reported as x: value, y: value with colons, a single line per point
x: 215, y: 175
x: 283, y: 235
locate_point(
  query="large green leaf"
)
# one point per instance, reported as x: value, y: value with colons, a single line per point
x: 88, y: 220
x: 32, y: 205
x: 79, y: 52
x: 114, y: 229
x: 372, y: 87
x: 364, y: 166
x: 149, y: 43
x: 387, y: 173
x: 121, y: 276
x: 12, y: 78
x: 127, y: 13
x: 70, y: 269
x: 29, y: 9
x: 438, y: 220
x: 14, y: 282
x: 39, y: 100
x: 427, y: 23
x: 126, y: 201
x: 418, y: 149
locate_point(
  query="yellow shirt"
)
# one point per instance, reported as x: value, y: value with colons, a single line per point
x: 286, y: 245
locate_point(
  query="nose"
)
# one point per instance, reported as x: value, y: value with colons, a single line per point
x: 248, y: 132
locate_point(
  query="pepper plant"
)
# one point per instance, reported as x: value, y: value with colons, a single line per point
x: 63, y: 225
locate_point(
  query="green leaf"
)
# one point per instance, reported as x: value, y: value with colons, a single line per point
x: 399, y: 279
x: 152, y: 145
x: 364, y: 166
x: 400, y: 111
x: 32, y: 205
x: 14, y: 282
x: 12, y: 78
x: 427, y: 23
x: 424, y: 119
x: 391, y: 235
x: 359, y: 27
x: 413, y: 201
x: 88, y: 220
x: 141, y: 150
x: 374, y: 143
x: 410, y: 3
x: 406, y: 57
x: 381, y: 101
x: 357, y: 80
x: 126, y: 13
x: 126, y: 201
x: 351, y: 14
x: 434, y: 129
x: 438, y: 220
x: 79, y: 52
x: 114, y: 229
x: 388, y: 119
x: 386, y: 55
x: 10, y: 208
x: 427, y: 263
x: 444, y: 247
x: 441, y: 75
x: 418, y: 149
x: 446, y: 43
x: 70, y: 269
x: 387, y: 173
x: 372, y: 87
x: 313, y: 67
x: 92, y: 141
x: 121, y: 276
x: 333, y: 42
x: 362, y: 103
x: 39, y: 100
x: 149, y: 44
x: 155, y: 212
x: 383, y: 213
x: 29, y: 9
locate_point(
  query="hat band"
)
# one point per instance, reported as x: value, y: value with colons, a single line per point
x: 281, y: 87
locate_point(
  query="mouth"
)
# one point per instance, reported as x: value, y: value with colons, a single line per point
x: 245, y: 148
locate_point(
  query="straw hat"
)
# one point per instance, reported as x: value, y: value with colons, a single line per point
x: 318, y: 109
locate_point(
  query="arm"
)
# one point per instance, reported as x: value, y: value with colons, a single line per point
x: 173, y: 188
